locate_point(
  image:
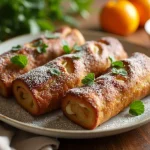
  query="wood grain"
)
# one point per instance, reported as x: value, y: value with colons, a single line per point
x: 137, y: 139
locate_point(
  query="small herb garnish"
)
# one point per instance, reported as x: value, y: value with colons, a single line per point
x: 118, y: 67
x: 77, y: 47
x: 41, y: 47
x: 54, y: 71
x: 37, y: 43
x: 50, y: 35
x: 20, y: 60
x: 89, y: 79
x: 68, y: 50
x: 112, y: 59
x: 136, y: 108
x: 120, y: 71
x: 66, y: 47
x: 16, y: 48
x: 115, y: 63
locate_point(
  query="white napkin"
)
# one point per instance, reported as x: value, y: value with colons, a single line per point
x: 13, y: 139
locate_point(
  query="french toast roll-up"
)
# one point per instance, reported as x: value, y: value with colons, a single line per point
x: 37, y: 53
x: 40, y: 90
x: 90, y: 106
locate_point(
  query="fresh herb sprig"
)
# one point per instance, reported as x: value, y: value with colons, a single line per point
x: 33, y: 16
x: 54, y: 71
x: 120, y: 71
x: 136, y: 108
x: 115, y: 63
x: 16, y: 48
x: 77, y: 47
x: 68, y: 50
x: 118, y: 67
x: 66, y: 47
x: 19, y: 60
x: 40, y: 46
x: 88, y: 79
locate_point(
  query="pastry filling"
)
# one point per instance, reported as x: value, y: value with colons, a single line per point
x: 77, y: 109
x: 80, y: 113
x: 68, y: 65
x: 24, y: 97
x: 97, y: 49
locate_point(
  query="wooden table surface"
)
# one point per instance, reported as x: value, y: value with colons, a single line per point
x: 137, y: 139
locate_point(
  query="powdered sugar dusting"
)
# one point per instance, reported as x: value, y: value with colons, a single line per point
x: 120, y: 123
x: 54, y: 49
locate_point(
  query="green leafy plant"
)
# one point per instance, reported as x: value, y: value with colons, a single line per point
x: 24, y: 16
x: 40, y: 46
x: 88, y: 79
x: 117, y: 67
x: 54, y: 71
x: 77, y: 47
x: 66, y: 47
x: 19, y: 60
x: 136, y: 108
x: 16, y: 48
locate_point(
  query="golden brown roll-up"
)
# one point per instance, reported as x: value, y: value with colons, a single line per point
x: 41, y: 90
x: 90, y: 106
x: 10, y: 71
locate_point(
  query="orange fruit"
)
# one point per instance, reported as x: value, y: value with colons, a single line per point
x: 119, y: 17
x: 143, y: 8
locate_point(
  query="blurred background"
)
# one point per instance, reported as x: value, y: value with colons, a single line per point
x: 120, y: 17
x: 31, y: 16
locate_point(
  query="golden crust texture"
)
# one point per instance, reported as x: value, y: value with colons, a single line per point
x: 39, y: 91
x: 35, y: 59
x: 90, y: 106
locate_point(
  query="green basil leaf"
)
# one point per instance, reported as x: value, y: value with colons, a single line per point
x: 118, y: 64
x: 136, y: 108
x: 66, y: 47
x: 120, y: 71
x: 115, y: 63
x: 89, y: 79
x: 20, y: 60
x: 16, y: 48
x: 37, y: 43
x: 42, y: 48
x: 112, y: 59
x: 54, y: 71
x: 77, y: 47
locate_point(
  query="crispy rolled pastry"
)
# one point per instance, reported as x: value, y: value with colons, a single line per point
x: 40, y: 91
x: 10, y: 72
x: 90, y: 106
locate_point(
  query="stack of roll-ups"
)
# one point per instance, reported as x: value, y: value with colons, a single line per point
x: 90, y: 106
x: 22, y: 59
x: 41, y: 90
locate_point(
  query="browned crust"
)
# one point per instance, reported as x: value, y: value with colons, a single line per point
x: 48, y: 89
x: 112, y: 93
x: 82, y: 100
x: 11, y: 71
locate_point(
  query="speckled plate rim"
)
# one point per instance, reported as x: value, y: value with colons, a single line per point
x: 78, y: 134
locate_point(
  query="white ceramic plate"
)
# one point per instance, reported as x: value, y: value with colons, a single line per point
x: 54, y: 124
